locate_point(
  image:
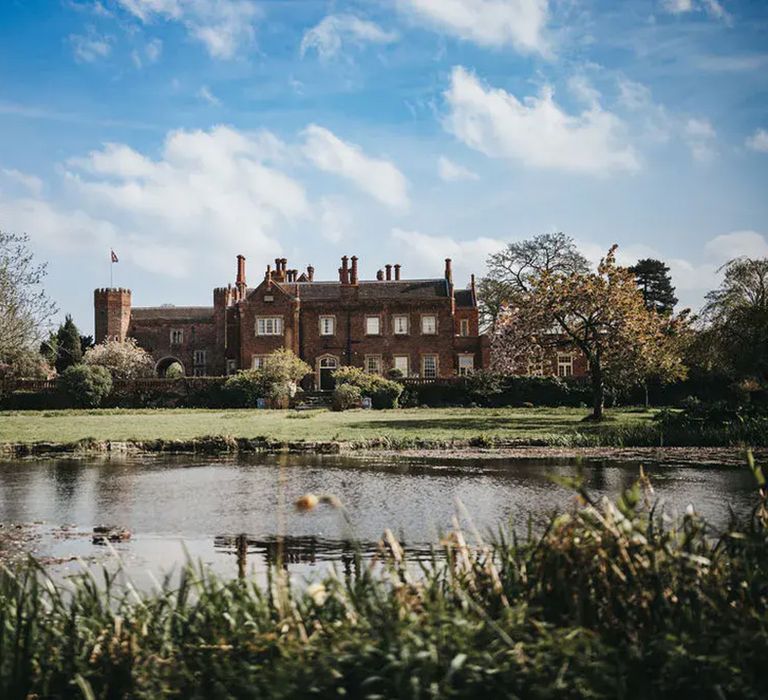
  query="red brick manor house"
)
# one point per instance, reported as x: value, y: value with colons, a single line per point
x: 424, y: 327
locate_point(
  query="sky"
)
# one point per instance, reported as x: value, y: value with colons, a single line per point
x: 182, y: 132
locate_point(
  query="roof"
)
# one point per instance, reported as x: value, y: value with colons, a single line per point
x: 172, y: 313
x: 390, y: 290
x: 464, y: 298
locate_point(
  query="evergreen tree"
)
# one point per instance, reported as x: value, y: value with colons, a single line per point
x: 68, y: 343
x: 654, y: 282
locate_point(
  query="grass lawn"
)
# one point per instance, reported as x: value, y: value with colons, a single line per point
x: 184, y: 424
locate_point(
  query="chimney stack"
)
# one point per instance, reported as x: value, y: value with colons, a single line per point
x: 353, y: 279
x: 448, y: 271
x: 344, y: 270
x: 380, y: 275
x: 240, y: 281
x: 389, y: 271
x: 310, y: 273
x: 397, y: 272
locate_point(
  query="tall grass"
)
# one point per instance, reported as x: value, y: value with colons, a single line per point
x: 609, y: 602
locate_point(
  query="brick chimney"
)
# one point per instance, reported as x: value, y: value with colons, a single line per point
x: 240, y: 281
x: 344, y: 270
x: 388, y: 268
x: 380, y: 275
x: 353, y: 272
x: 397, y: 272
x: 268, y: 275
x: 310, y: 273
x: 448, y: 271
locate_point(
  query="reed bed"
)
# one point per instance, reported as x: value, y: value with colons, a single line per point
x: 611, y: 601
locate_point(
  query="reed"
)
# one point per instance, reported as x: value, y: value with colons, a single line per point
x: 610, y: 601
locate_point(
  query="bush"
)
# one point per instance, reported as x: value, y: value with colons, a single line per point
x: 346, y: 396
x: 276, y: 381
x: 382, y: 392
x: 124, y: 360
x: 84, y: 386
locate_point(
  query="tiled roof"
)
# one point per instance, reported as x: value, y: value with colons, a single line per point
x: 463, y: 298
x: 371, y: 289
x: 172, y: 313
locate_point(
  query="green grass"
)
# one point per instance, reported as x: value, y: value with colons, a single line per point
x: 609, y: 602
x: 535, y: 424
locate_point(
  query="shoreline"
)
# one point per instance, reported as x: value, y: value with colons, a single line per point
x: 480, y: 447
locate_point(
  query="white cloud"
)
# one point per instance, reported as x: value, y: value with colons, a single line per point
x: 32, y: 183
x: 205, y: 94
x: 758, y: 141
x: 536, y: 131
x: 429, y: 253
x: 148, y: 54
x: 678, y: 6
x: 328, y: 37
x: 700, y: 135
x: 453, y: 172
x: 519, y: 23
x: 88, y: 49
x: 222, y: 26
x: 379, y: 178
x: 713, y: 8
x: 737, y: 244
x: 335, y: 219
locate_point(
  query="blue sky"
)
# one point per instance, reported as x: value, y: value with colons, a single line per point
x: 183, y: 132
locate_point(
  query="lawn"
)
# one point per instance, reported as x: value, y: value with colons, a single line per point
x: 185, y: 424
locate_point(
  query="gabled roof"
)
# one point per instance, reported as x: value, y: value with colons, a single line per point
x: 390, y: 290
x: 463, y: 298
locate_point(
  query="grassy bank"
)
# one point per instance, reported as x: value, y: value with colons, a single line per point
x: 606, y: 604
x: 535, y: 424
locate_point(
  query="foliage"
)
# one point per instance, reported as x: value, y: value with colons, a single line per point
x: 25, y: 364
x: 611, y: 601
x: 25, y: 310
x: 512, y: 271
x: 85, y: 386
x: 653, y: 280
x: 275, y: 380
x: 738, y: 316
x: 68, y: 349
x: 125, y: 360
x: 346, y: 396
x: 600, y: 314
x: 174, y: 371
x: 383, y: 393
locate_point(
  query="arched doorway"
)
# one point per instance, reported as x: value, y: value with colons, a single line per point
x: 326, y: 366
x: 169, y: 367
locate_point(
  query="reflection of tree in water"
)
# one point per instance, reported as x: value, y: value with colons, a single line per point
x: 67, y: 478
x: 17, y: 482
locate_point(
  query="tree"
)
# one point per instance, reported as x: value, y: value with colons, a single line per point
x: 276, y: 379
x: 84, y: 386
x: 68, y: 349
x: 655, y: 283
x: 125, y: 360
x: 512, y: 270
x: 601, y: 314
x: 737, y: 313
x: 25, y: 310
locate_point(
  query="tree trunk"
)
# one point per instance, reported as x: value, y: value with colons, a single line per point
x: 647, y: 399
x: 598, y: 389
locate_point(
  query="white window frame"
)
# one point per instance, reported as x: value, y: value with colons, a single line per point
x: 564, y: 364
x: 269, y: 325
x: 199, y: 357
x: 257, y: 361
x: 177, y: 336
x: 321, y: 322
x: 424, y: 365
x: 464, y: 371
x: 376, y: 318
x: 378, y: 364
x: 396, y: 319
x: 424, y: 317
x: 407, y: 371
x: 231, y: 366
x: 464, y: 327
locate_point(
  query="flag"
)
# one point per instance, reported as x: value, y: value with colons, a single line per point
x: 114, y: 256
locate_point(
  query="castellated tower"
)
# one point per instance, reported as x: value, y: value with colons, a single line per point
x: 112, y: 311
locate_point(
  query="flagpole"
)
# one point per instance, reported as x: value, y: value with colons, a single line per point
x: 111, y: 268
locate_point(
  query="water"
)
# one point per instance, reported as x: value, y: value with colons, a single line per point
x: 179, y: 507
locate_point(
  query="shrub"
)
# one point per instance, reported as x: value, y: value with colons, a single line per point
x: 394, y: 374
x: 124, y: 360
x: 275, y: 381
x: 174, y: 371
x: 383, y: 393
x: 84, y: 386
x: 346, y: 396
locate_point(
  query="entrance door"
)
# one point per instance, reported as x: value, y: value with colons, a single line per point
x: 326, y: 367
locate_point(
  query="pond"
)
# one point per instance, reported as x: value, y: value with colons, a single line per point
x: 183, y: 506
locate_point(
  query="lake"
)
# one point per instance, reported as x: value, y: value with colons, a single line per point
x: 184, y: 506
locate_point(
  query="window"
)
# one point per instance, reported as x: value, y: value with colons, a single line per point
x: 199, y: 357
x: 373, y: 325
x: 269, y: 325
x: 536, y: 368
x: 429, y: 366
x: 403, y: 363
x: 198, y: 372
x: 400, y: 325
x: 564, y: 365
x: 429, y: 325
x: 231, y: 366
x: 327, y: 325
x: 177, y: 336
x: 464, y: 327
x: 257, y: 361
x: 373, y: 364
x: 466, y: 364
